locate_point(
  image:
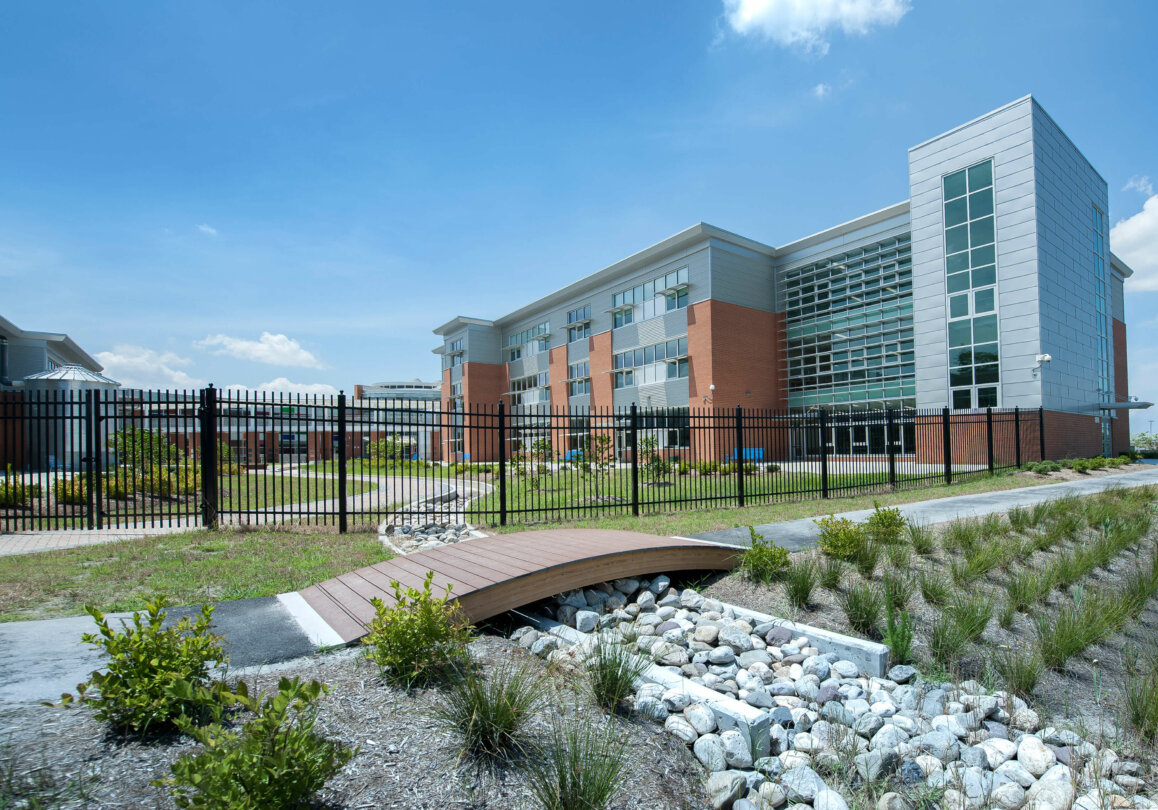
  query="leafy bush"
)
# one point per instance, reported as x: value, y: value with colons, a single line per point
x: 489, y: 713
x: 898, y: 635
x: 187, y: 478
x: 145, y: 662
x: 799, y: 581
x: 841, y: 537
x: 773, y: 468
x: 764, y: 561
x: 1081, y: 465
x: 157, y: 482
x: 683, y: 468
x: 580, y: 768
x: 419, y: 638
x: 707, y: 467
x: 72, y: 491
x: 831, y: 569
x: 862, y: 606
x: 612, y: 669
x: 275, y: 761
x: 15, y: 493
x: 119, y: 486
x: 885, y: 525
x: 1042, y: 467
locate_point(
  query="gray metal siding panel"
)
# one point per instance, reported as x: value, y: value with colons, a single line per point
x: 742, y: 277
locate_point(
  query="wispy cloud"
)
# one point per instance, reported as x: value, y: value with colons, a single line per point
x: 1140, y: 183
x: 822, y: 90
x: 1135, y: 240
x: 207, y: 230
x: 283, y: 385
x: 276, y: 350
x: 138, y: 367
x: 806, y: 24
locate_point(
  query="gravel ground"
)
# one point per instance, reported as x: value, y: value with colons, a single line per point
x: 407, y: 760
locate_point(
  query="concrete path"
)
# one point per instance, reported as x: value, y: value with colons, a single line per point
x: 41, y: 659
x: 798, y: 535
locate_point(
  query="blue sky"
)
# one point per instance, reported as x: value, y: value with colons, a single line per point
x: 286, y: 195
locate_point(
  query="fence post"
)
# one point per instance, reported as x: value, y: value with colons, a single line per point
x: 740, y: 455
x: 633, y: 433
x: 1017, y: 433
x: 947, y: 445
x: 1041, y: 432
x: 502, y: 424
x: 97, y: 453
x: 823, y: 453
x: 208, y: 414
x: 343, y: 516
x: 90, y: 440
x: 891, y: 444
x: 989, y: 436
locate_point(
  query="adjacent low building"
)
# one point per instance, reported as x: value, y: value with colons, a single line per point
x: 993, y: 285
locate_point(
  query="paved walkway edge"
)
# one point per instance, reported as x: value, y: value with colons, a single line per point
x: 314, y: 626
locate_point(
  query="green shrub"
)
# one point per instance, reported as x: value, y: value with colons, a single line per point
x: 580, y: 768
x: 490, y: 712
x: 187, y: 479
x: 276, y: 760
x: 145, y: 662
x: 1020, y: 669
x: 799, y: 581
x: 764, y: 561
x: 157, y: 482
x: 612, y: 669
x: 831, y: 570
x: 885, y: 525
x: 707, y: 467
x: 898, y: 635
x: 15, y: 493
x: 72, y: 491
x: 922, y: 539
x: 683, y: 468
x: 1081, y: 465
x: 749, y: 468
x: 862, y: 606
x: 420, y: 638
x: 841, y: 537
x: 119, y: 486
x: 773, y: 468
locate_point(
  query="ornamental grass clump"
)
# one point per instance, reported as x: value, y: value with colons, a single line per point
x: 612, y: 669
x: 1140, y: 688
x: 866, y: 559
x: 581, y: 767
x: 490, y: 712
x: 276, y: 760
x: 898, y: 635
x: 922, y: 539
x: 935, y: 590
x: 946, y: 642
x: 420, y: 638
x: 799, y: 582
x: 1020, y: 669
x: 862, y: 605
x: 830, y: 570
x: 898, y: 589
x: 145, y: 662
x: 971, y: 613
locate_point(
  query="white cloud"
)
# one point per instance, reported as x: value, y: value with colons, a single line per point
x: 206, y: 229
x: 138, y: 367
x: 284, y: 386
x: 1135, y: 240
x: 822, y: 90
x: 1141, y: 184
x: 276, y: 350
x: 805, y: 24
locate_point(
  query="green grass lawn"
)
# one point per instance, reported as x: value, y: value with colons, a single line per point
x: 258, y: 491
x: 697, y: 518
x: 187, y: 567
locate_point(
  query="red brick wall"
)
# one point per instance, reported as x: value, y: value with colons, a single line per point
x: 557, y: 373
x: 968, y: 437
x: 1072, y: 435
x: 737, y: 349
x: 1120, y: 432
x: 599, y: 349
x: 483, y: 385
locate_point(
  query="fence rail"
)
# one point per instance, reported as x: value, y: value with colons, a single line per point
x: 98, y: 458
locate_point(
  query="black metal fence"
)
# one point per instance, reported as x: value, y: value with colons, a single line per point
x: 123, y: 458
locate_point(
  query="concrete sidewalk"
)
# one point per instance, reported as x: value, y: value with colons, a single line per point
x: 798, y: 535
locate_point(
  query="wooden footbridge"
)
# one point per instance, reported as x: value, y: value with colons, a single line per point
x: 492, y: 575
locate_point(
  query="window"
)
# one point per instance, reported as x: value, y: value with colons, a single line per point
x: 623, y: 379
x: 577, y: 371
x: 650, y: 299
x: 580, y: 332
x: 677, y: 369
x: 456, y: 346
x: 527, y: 335
x: 646, y: 355
x: 455, y: 360
x: 515, y: 353
x: 577, y: 388
x: 970, y: 284
x: 456, y: 389
x: 579, y: 315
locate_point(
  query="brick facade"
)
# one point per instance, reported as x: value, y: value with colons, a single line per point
x: 1120, y: 431
x: 738, y: 350
x: 557, y: 373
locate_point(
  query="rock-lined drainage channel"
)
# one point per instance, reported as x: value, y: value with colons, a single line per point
x: 785, y: 714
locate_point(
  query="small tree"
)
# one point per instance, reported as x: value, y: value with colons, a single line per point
x: 655, y: 466
x: 143, y: 450
x: 394, y: 448
x: 538, y: 454
x: 598, y: 456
